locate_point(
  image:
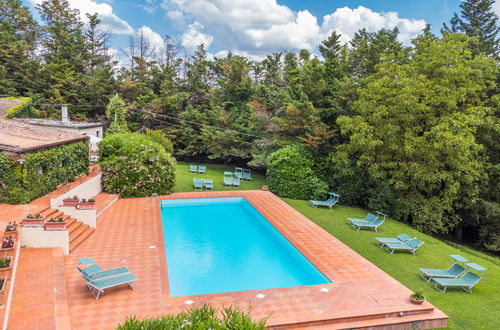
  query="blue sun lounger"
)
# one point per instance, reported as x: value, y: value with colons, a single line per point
x: 209, y: 184
x: 371, y: 225
x: 238, y: 172
x: 410, y: 246
x: 247, y: 175
x: 368, y: 219
x: 466, y: 282
x: 96, y: 273
x: 236, y: 182
x: 202, y: 169
x: 97, y: 287
x: 330, y: 202
x: 198, y: 184
x: 454, y: 271
x: 228, y: 179
x: 193, y: 168
x: 401, y: 238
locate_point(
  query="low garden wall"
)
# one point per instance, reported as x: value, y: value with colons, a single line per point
x: 38, y: 237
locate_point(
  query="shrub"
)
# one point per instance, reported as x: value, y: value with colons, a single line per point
x: 204, y: 317
x: 290, y: 174
x: 23, y: 110
x: 158, y: 137
x: 135, y: 166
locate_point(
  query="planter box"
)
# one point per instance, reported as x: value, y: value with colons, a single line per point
x: 33, y: 222
x: 86, y: 206
x: 11, y: 233
x: 70, y: 202
x: 8, y: 251
x: 3, y: 286
x: 6, y: 269
x: 56, y: 225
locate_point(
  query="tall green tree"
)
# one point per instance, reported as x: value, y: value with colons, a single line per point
x: 477, y: 19
x: 415, y: 130
x: 116, y: 112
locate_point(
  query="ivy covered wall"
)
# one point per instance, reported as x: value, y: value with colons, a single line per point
x: 41, y: 171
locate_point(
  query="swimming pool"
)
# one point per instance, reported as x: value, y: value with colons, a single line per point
x: 224, y: 244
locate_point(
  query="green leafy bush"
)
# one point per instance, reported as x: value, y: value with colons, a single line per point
x: 41, y: 172
x: 204, y: 317
x: 135, y: 166
x: 158, y: 137
x: 23, y: 110
x: 290, y: 174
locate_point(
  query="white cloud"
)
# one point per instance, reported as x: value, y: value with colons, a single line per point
x: 348, y: 21
x: 193, y: 37
x: 259, y: 27
x: 154, y: 39
x: 110, y: 20
x: 496, y: 7
x: 148, y: 9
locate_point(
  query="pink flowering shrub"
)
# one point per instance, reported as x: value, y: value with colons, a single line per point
x: 139, y: 167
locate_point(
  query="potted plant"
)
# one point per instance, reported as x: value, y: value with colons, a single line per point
x: 5, y: 263
x: 58, y: 223
x: 71, y: 201
x: 417, y: 297
x: 8, y: 245
x: 11, y: 229
x: 33, y: 220
x: 86, y: 204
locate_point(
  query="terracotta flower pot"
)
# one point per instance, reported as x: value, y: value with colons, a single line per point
x: 416, y: 301
x: 86, y: 205
x: 3, y: 286
x: 11, y: 233
x: 6, y: 269
x: 56, y: 225
x: 70, y: 202
x: 33, y: 222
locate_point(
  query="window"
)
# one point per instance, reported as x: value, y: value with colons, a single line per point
x: 97, y: 133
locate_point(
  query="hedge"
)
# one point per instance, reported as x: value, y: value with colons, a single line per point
x: 135, y: 166
x: 22, y: 110
x: 21, y: 183
x: 204, y: 317
x: 290, y: 174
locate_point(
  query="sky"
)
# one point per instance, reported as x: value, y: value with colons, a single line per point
x: 255, y: 28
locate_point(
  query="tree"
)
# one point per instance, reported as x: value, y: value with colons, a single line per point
x: 116, y: 112
x: 477, y: 19
x: 415, y: 130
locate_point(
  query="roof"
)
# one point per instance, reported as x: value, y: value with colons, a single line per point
x: 19, y: 137
x: 6, y: 104
x: 58, y: 123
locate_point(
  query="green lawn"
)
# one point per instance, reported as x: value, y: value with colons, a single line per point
x: 466, y: 311
x: 216, y: 172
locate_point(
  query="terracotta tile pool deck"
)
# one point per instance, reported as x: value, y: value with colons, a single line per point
x: 130, y: 233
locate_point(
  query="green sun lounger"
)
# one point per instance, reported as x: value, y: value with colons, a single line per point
x: 465, y: 282
x: 401, y: 238
x: 97, y: 287
x: 370, y: 225
x: 202, y: 169
x: 247, y: 175
x: 453, y: 271
x: 368, y: 219
x: 193, y: 168
x: 198, y: 184
x: 96, y: 273
x: 238, y: 172
x: 236, y: 182
x: 228, y: 179
x: 410, y: 246
x: 209, y: 184
x: 330, y: 202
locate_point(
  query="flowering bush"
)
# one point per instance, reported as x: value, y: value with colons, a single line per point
x: 7, y: 242
x: 34, y: 216
x: 12, y: 226
x: 57, y: 219
x: 135, y: 166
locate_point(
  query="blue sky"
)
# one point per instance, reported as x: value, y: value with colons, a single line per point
x: 257, y: 27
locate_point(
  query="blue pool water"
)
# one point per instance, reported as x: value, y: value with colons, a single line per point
x: 224, y: 244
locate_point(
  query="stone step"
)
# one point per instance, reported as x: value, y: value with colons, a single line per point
x: 73, y: 224
x: 80, y: 238
x: 73, y: 234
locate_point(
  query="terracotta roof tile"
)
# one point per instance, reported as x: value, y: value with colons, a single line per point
x: 19, y: 137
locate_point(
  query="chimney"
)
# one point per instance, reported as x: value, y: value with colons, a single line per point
x: 64, y: 114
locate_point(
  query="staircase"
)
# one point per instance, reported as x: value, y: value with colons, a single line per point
x: 78, y: 231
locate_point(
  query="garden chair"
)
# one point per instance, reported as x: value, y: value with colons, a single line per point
x: 466, y: 282
x: 411, y: 246
x: 193, y: 168
x: 209, y: 184
x: 368, y: 219
x: 247, y: 175
x: 97, y: 287
x: 202, y: 169
x: 401, y: 238
x: 238, y: 172
x: 371, y: 225
x: 330, y: 202
x: 228, y: 179
x: 198, y: 184
x: 236, y: 182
